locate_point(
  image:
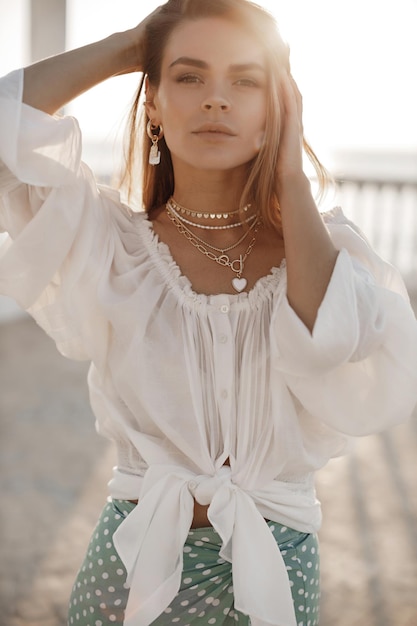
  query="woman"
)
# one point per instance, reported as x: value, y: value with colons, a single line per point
x: 237, y: 337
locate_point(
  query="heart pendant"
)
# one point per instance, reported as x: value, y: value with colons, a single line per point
x: 239, y: 284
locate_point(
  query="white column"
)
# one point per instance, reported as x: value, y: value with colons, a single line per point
x: 14, y: 34
x: 30, y: 30
x: 47, y: 27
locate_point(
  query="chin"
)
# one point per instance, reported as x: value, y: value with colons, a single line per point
x: 221, y: 164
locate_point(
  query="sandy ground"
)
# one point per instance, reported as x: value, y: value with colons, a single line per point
x: 53, y: 475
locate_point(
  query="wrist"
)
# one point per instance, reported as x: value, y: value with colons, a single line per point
x: 294, y: 185
x: 126, y: 52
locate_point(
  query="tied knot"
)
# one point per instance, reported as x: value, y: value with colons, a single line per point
x: 204, y: 487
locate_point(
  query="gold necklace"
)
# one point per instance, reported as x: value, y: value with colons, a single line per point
x: 180, y: 211
x: 206, y: 214
x: 170, y: 212
x: 237, y: 265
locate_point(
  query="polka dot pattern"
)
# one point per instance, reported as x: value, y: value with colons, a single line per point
x: 99, y: 598
x: 100, y: 593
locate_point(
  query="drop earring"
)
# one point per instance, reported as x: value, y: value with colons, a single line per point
x: 155, y: 133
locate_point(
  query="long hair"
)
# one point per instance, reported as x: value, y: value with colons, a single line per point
x: 158, y: 182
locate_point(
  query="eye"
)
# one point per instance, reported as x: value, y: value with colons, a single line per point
x: 188, y: 78
x: 247, y: 82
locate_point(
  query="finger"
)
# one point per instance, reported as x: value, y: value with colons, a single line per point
x: 292, y: 99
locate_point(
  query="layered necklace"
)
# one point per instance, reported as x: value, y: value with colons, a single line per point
x: 176, y: 214
x: 180, y: 211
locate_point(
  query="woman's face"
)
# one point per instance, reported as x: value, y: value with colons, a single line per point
x: 211, y: 100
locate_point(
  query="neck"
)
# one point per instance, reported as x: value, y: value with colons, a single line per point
x: 209, y: 191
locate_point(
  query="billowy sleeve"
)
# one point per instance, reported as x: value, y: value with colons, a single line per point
x: 57, y: 243
x: 357, y: 370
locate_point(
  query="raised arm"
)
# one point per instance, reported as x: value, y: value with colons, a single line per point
x: 51, y: 83
x: 310, y: 253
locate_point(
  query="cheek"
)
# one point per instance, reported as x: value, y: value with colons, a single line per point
x: 175, y: 140
x: 259, y: 140
x: 258, y: 117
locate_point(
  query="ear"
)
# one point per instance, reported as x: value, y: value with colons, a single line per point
x: 150, y: 105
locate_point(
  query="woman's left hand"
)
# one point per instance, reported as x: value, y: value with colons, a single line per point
x: 309, y: 250
x: 290, y: 155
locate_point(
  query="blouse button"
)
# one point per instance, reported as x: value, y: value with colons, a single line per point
x: 224, y: 308
x: 224, y: 394
x: 223, y: 338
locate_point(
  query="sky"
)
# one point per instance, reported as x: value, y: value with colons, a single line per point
x: 355, y: 63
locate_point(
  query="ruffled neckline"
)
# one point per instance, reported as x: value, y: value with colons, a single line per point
x: 162, y: 258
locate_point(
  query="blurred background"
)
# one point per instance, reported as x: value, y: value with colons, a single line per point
x: 355, y: 63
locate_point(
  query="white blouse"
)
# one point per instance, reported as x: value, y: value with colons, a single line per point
x: 182, y: 381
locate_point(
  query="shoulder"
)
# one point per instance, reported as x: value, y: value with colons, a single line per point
x: 338, y: 224
x: 348, y: 236
x: 336, y: 216
x: 118, y: 208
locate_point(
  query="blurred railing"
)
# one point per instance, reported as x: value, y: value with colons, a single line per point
x: 376, y: 189
x: 386, y: 211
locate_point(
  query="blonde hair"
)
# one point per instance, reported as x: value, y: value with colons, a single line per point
x: 261, y: 186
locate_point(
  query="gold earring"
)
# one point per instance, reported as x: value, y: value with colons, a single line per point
x: 155, y: 133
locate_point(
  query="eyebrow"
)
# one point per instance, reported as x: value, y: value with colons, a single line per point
x: 237, y: 67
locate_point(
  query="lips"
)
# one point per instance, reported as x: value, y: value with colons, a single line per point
x: 214, y: 129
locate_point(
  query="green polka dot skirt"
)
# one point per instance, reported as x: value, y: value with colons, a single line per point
x: 99, y: 595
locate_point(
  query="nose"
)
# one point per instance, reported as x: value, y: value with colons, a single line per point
x: 215, y: 101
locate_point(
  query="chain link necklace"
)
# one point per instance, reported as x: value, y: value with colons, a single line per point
x: 237, y: 265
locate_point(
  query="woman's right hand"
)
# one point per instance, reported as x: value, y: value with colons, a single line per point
x: 136, y: 47
x: 51, y: 83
